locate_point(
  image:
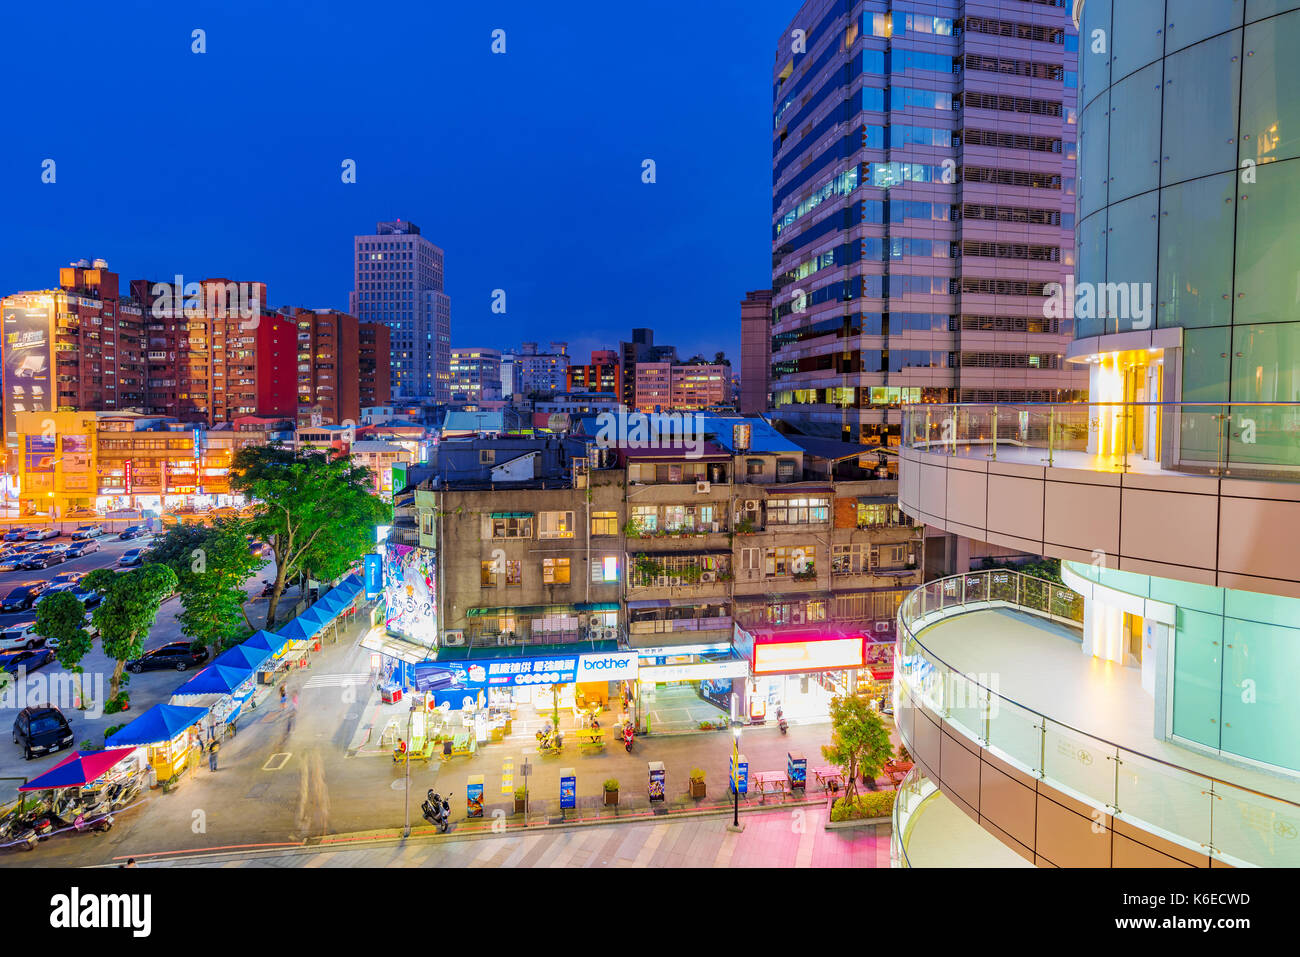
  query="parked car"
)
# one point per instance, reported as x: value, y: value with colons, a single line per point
x: 179, y: 655
x: 11, y: 563
x: 87, y: 531
x: 88, y: 599
x: 92, y: 629
x: 19, y: 636
x: 43, y: 559
x: 81, y: 512
x: 133, y: 556
x: 64, y: 581
x: 40, y: 730
x: 41, y: 534
x: 15, y: 534
x: 132, y: 531
x: 60, y: 547
x: 31, y: 660
x: 84, y: 547
x: 21, y: 597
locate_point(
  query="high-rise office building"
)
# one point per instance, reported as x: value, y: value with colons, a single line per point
x: 375, y: 345
x: 642, y: 348
x: 923, y: 201
x: 603, y: 374
x: 475, y: 374
x: 530, y: 372
x: 398, y: 280
x: 1164, y: 733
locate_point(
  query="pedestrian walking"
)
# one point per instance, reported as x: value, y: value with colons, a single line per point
x: 295, y: 701
x: 213, y: 748
x: 284, y: 696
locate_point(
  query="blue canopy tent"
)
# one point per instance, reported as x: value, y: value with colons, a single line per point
x: 158, y: 725
x: 267, y: 641
x: 299, y: 630
x: 333, y: 603
x: 215, y: 679
x: 316, y: 617
x: 243, y: 656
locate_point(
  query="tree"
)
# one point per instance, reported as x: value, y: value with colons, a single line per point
x: 211, y: 564
x: 62, y: 616
x: 317, y: 511
x: 859, y: 741
x: 130, y: 605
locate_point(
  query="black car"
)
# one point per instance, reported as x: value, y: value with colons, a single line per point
x: 31, y: 660
x: 21, y: 597
x: 132, y: 531
x: 44, y: 559
x: 179, y: 655
x: 82, y: 547
x: 43, y: 729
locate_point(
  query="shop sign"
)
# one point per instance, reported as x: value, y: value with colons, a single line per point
x: 498, y: 673
x: 127, y: 475
x: 374, y: 575
x: 611, y: 667
x: 714, y: 648
x: 801, y: 656
x: 704, y: 670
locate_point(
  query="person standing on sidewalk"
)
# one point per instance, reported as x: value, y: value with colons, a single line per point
x: 213, y: 747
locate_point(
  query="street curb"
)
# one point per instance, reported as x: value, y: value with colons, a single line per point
x: 857, y: 822
x: 391, y: 837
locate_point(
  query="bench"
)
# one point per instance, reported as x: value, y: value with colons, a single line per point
x: 590, y: 737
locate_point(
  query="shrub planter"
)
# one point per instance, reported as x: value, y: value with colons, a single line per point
x: 521, y: 802
x: 611, y: 797
x: 859, y: 822
x: 697, y: 787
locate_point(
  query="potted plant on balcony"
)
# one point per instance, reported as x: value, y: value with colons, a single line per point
x: 808, y: 574
x: 611, y: 792
x: 745, y: 527
x: 632, y: 529
x: 521, y: 799
x: 697, y: 782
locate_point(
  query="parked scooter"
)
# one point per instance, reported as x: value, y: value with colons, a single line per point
x: 781, y: 722
x: 628, y: 735
x: 19, y: 833
x: 85, y: 823
x: 437, y: 811
x: 550, y: 739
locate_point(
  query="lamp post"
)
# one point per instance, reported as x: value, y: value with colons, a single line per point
x: 735, y: 775
x: 410, y: 716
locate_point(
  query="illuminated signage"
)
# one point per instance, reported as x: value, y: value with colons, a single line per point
x: 799, y: 656
x: 611, y: 667
x: 701, y: 671
x: 126, y: 475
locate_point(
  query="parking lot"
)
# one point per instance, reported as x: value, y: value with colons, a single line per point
x: 146, y: 689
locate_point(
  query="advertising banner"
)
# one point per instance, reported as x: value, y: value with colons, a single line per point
x: 374, y: 575
x: 411, y: 593
x: 39, y: 455
x: 658, y: 782
x: 568, y: 790
x: 704, y: 670
x: 496, y: 673
x: 611, y: 667
x: 795, y: 657
x: 28, y: 340
x: 474, y: 796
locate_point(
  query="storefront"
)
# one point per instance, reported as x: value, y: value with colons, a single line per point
x: 538, y: 685
x: 671, y: 676
x: 801, y: 671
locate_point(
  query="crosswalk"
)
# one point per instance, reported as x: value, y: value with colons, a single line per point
x: 339, y: 681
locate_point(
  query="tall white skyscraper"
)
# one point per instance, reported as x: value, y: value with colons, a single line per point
x: 398, y: 281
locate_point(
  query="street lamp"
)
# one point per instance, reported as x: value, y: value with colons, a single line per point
x: 735, y: 775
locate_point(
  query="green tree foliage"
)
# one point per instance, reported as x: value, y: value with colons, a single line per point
x: 62, y: 617
x: 211, y: 563
x: 859, y: 741
x: 130, y: 605
x: 317, y: 511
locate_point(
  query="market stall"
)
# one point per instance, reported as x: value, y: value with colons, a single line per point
x: 169, y: 735
x: 89, y: 770
x: 222, y: 689
x: 242, y: 656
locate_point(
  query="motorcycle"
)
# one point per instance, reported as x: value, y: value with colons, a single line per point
x: 268, y: 590
x: 550, y: 740
x: 18, y: 832
x: 628, y: 735
x: 85, y: 823
x: 781, y: 722
x: 437, y: 811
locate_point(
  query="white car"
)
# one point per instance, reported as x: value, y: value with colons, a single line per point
x: 59, y: 547
x: 21, y: 635
x: 41, y: 534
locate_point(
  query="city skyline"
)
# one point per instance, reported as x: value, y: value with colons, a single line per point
x: 549, y: 245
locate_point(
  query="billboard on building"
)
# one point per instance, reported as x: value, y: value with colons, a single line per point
x: 28, y: 324
x: 411, y: 593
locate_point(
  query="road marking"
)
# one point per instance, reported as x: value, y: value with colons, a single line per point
x: 284, y: 759
x: 508, y: 776
x: 337, y: 681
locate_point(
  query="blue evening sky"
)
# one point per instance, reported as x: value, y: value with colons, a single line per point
x: 525, y: 167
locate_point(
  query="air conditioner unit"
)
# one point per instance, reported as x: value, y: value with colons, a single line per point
x: 702, y: 486
x: 662, y: 581
x: 453, y: 638
x: 751, y: 505
x: 708, y: 576
x: 505, y: 640
x: 882, y: 626
x: 674, y: 580
x: 717, y: 526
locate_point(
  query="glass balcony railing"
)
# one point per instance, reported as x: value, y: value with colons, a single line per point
x: 1241, y: 439
x: 1232, y: 824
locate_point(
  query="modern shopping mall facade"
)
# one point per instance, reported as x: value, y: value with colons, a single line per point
x: 1145, y: 715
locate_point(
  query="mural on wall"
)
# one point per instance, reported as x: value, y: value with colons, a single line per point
x: 411, y: 593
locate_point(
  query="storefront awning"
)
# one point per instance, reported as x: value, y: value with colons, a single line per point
x: 512, y: 515
x: 649, y: 603
x: 877, y: 499
x: 596, y: 606
x: 398, y: 648
x: 804, y: 490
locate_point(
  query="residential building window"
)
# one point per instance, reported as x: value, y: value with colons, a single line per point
x: 849, y: 559
x: 604, y: 523
x: 889, y: 556
x: 880, y: 516
x: 555, y: 525
x: 512, y: 526
x: 555, y: 571
x: 487, y: 574
x: 514, y: 573
x: 753, y: 466
x: 605, y: 570
x: 797, y: 511
x: 785, y: 470
x: 789, y: 560
x: 646, y: 517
